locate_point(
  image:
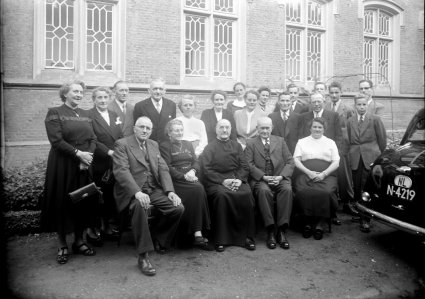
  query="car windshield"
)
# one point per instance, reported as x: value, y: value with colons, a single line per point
x: 418, y: 133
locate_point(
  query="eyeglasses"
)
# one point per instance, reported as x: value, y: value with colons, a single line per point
x: 364, y: 88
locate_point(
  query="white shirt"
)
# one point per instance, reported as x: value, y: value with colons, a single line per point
x: 121, y: 105
x: 218, y: 115
x: 318, y: 114
x: 359, y: 116
x: 323, y: 148
x: 336, y: 105
x: 156, y: 104
x: 248, y: 125
x: 105, y: 115
x: 195, y: 132
x: 283, y: 113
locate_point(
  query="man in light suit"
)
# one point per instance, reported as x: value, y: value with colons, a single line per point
x: 333, y: 129
x: 142, y: 179
x: 122, y: 108
x: 345, y: 179
x: 373, y: 107
x: 286, y: 123
x: 159, y: 109
x: 368, y: 139
x: 271, y: 166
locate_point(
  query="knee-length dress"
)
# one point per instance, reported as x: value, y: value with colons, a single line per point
x: 180, y: 158
x: 316, y: 198
x: 232, y: 212
x: 67, y: 130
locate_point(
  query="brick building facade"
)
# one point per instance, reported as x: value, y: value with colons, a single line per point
x: 198, y: 47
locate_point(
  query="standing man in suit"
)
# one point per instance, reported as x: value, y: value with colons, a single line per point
x: 332, y: 131
x: 368, y: 139
x: 142, y: 179
x: 373, y: 107
x: 320, y: 87
x: 157, y: 108
x: 286, y: 123
x: 298, y: 105
x: 271, y: 166
x: 345, y: 179
x: 122, y: 108
x: 107, y: 129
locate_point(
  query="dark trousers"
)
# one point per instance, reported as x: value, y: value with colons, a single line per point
x: 163, y: 230
x: 359, y: 179
x: 345, y: 180
x: 265, y: 194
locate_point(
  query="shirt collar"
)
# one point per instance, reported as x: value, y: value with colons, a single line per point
x: 155, y: 102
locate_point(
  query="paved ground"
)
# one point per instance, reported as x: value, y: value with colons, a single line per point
x: 345, y: 264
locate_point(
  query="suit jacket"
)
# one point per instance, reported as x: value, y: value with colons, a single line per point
x: 367, y: 141
x: 106, y: 137
x: 345, y: 112
x: 129, y: 164
x: 280, y: 156
x: 300, y: 108
x: 292, y: 130
x: 168, y: 112
x: 210, y: 121
x: 375, y: 108
x: 127, y: 119
x: 241, y: 120
x: 333, y: 130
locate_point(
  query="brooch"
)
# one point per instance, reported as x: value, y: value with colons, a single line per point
x: 118, y: 122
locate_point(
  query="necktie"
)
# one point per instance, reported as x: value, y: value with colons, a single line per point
x: 285, y: 117
x: 334, y: 107
x: 158, y: 107
x: 143, y: 145
x: 361, y: 121
x: 269, y: 166
x: 123, y: 109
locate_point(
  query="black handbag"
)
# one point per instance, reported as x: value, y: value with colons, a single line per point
x: 108, y: 177
x: 85, y: 192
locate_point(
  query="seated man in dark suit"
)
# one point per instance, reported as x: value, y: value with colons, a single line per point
x: 332, y: 131
x: 159, y: 109
x: 286, y: 123
x: 271, y: 166
x: 142, y: 179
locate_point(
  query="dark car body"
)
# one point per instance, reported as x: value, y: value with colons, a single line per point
x: 395, y: 189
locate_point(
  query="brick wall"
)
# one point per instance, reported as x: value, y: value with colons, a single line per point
x: 265, y: 61
x: 153, y: 41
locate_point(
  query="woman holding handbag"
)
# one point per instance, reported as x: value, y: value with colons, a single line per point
x: 106, y: 126
x: 70, y: 132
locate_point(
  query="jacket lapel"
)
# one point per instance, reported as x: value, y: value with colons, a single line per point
x: 102, y: 122
x: 260, y: 146
x: 137, y: 151
x: 153, y: 159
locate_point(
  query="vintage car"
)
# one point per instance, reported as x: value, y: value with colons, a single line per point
x: 395, y: 189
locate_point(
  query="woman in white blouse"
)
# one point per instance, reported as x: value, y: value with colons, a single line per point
x: 194, y: 129
x: 316, y: 156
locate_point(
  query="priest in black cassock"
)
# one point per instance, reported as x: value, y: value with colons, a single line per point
x: 225, y: 173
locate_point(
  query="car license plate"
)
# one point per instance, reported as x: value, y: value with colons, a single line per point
x: 402, y: 188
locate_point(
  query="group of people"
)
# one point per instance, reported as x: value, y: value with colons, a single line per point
x: 205, y: 178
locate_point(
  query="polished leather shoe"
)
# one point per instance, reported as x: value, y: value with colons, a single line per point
x: 336, y: 221
x: 283, y: 242
x: 159, y: 248
x: 271, y: 241
x: 365, y: 227
x: 349, y: 209
x: 145, y: 266
x: 307, y: 231
x: 318, y: 234
x: 219, y: 248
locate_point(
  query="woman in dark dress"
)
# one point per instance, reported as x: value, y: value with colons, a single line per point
x: 317, y: 158
x: 211, y: 116
x: 71, y: 135
x: 181, y: 160
x: 231, y: 202
x: 106, y: 126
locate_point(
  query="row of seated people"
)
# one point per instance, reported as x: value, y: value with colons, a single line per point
x: 75, y: 134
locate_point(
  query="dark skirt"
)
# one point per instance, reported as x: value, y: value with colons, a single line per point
x: 317, y: 199
x: 196, y: 215
x: 232, y: 214
x: 58, y: 213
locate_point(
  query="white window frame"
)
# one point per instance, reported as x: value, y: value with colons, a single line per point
x: 397, y: 21
x: 208, y: 80
x: 79, y: 46
x: 328, y: 9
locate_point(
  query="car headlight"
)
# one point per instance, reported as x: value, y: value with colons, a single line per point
x: 366, y: 197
